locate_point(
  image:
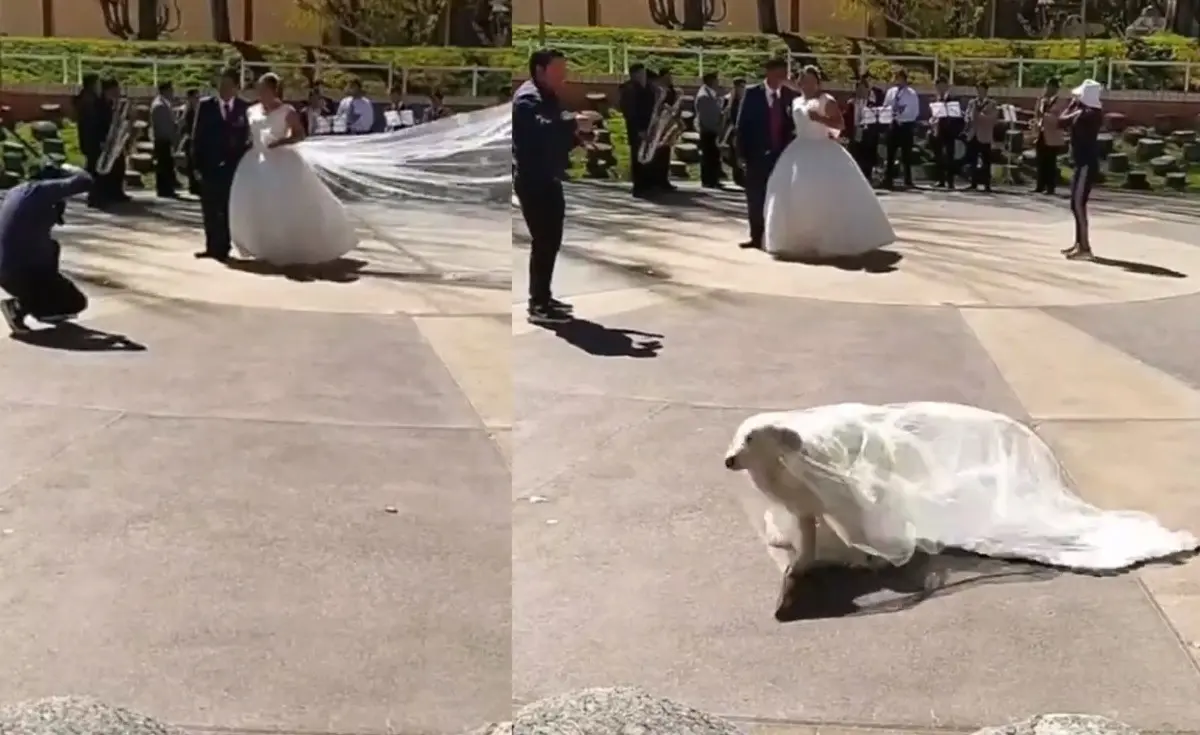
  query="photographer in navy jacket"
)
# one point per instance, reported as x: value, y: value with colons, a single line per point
x: 542, y: 141
x: 29, y: 255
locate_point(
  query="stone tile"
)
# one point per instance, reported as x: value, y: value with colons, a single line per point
x: 1164, y: 333
x: 771, y: 353
x: 225, y: 361
x: 643, y: 570
x: 1080, y: 377
x: 31, y: 436
x: 478, y: 353
x: 249, y: 575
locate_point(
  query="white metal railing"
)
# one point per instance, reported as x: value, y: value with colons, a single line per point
x: 73, y: 68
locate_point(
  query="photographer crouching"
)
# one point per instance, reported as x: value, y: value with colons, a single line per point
x: 29, y: 256
x: 542, y: 139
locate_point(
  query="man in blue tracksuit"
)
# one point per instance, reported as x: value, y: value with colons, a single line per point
x: 29, y: 255
x: 542, y: 142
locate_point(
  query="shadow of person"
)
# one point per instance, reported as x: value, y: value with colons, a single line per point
x: 342, y: 270
x: 876, y: 261
x: 601, y: 341
x: 77, y: 338
x: 834, y: 591
x: 1133, y: 266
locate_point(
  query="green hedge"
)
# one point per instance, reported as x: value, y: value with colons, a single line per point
x: 741, y: 54
x: 731, y: 54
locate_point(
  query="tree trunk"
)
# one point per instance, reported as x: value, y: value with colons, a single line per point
x: 147, y: 20
x: 219, y: 9
x: 693, y: 15
x: 768, y: 18
x: 353, y: 20
x: 248, y: 21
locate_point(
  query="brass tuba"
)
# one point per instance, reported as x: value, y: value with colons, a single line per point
x: 666, y: 126
x: 117, y: 140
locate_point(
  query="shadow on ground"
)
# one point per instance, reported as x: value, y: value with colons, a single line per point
x: 73, y: 337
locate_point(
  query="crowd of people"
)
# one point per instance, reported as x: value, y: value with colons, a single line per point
x: 97, y: 108
x: 827, y: 152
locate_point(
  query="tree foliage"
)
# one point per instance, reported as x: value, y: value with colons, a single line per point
x: 924, y: 18
x: 414, y: 22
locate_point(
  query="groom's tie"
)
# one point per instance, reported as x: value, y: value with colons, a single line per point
x: 774, y: 120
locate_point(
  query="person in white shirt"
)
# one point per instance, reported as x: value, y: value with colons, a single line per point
x: 905, y: 105
x: 357, y: 110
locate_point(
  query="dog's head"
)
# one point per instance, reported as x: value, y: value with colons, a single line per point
x: 761, y: 439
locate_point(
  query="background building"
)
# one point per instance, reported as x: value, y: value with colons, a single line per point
x: 826, y: 17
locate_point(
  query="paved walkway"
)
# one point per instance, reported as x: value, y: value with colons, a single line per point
x: 276, y: 508
x: 635, y: 554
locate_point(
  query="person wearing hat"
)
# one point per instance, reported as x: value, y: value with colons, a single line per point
x: 29, y: 255
x: 1084, y: 119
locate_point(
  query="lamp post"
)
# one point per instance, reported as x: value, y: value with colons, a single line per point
x: 542, y: 23
x: 1083, y: 30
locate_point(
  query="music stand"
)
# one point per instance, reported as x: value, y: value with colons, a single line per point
x: 1008, y: 114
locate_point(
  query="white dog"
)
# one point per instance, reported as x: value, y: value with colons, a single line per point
x: 798, y: 523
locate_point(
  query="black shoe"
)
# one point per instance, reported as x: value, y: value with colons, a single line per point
x: 750, y: 245
x: 13, y: 316
x: 562, y: 306
x: 546, y: 314
x: 1080, y: 254
x: 206, y: 255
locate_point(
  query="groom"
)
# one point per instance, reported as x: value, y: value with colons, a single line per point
x: 764, y: 128
x: 220, y: 137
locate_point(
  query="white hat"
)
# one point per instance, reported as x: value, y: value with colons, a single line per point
x: 1088, y: 93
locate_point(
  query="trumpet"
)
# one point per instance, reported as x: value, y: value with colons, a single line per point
x: 120, y: 134
x: 665, y: 127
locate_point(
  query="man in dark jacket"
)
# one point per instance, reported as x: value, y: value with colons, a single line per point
x: 542, y: 140
x: 946, y: 128
x: 637, y: 105
x: 29, y: 256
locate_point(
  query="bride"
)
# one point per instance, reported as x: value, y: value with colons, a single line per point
x: 814, y: 178
x: 280, y: 212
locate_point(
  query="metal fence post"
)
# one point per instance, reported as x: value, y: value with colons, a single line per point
x: 391, y: 75
x: 625, y: 58
x: 404, y: 82
x: 950, y: 73
x: 79, y: 70
x: 474, y: 81
x: 937, y: 67
x: 1109, y: 82
x: 1187, y: 77
x: 700, y: 62
x: 1020, y: 73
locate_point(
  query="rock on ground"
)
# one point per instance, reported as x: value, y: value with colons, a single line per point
x: 1062, y: 725
x: 616, y: 711
x: 77, y: 716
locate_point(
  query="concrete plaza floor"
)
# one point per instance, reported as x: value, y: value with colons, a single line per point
x: 278, y: 503
x: 635, y: 553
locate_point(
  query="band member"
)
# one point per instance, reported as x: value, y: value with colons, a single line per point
x: 1049, y: 141
x: 357, y: 110
x: 396, y: 105
x: 87, y: 116
x: 905, y: 105
x: 1084, y: 119
x: 166, y: 133
x: 946, y: 129
x: 437, y: 107
x: 192, y: 106
x: 764, y: 128
x: 29, y: 255
x: 982, y: 115
x: 731, y: 106
x: 861, y: 129
x: 541, y: 145
x: 109, y: 188
x: 660, y: 167
x: 709, y: 125
x: 636, y: 100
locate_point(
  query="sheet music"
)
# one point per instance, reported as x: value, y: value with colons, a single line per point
x: 868, y: 116
x: 392, y: 119
x: 407, y: 118
x: 341, y: 125
x: 886, y: 116
x: 937, y: 110
x: 1008, y: 113
x: 953, y: 109
x: 324, y: 124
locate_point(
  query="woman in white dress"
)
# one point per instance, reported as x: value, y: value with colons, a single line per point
x: 819, y: 205
x: 280, y: 211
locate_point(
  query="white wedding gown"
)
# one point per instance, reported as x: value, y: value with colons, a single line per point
x: 818, y: 203
x: 280, y: 211
x: 900, y: 478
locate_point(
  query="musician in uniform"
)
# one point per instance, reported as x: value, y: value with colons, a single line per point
x: 1049, y: 139
x: 109, y: 188
x: 708, y: 125
x: 166, y: 134
x: 636, y: 101
x: 982, y: 115
x: 191, y: 106
x: 862, y: 131
x: 659, y: 173
x: 88, y: 117
x: 437, y: 108
x: 732, y: 105
x: 905, y: 106
x: 945, y: 131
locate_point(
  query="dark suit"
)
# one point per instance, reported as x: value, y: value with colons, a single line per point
x: 637, y: 105
x: 219, y: 141
x: 944, y: 132
x: 110, y: 187
x: 189, y: 127
x: 759, y: 150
